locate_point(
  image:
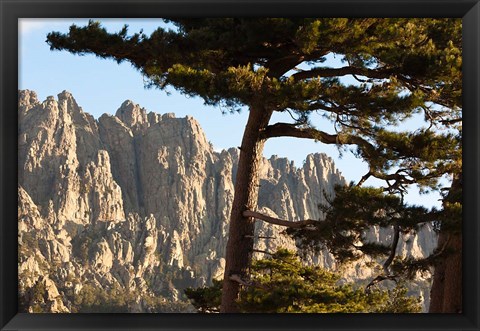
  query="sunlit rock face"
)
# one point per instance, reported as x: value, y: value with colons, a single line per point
x: 141, y: 201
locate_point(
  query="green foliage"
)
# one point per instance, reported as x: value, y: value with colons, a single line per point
x: 206, y: 49
x: 419, y: 157
x: 282, y: 284
x: 404, y: 66
x: 92, y: 299
x: 398, y: 301
x: 206, y: 299
x: 354, y: 211
x: 32, y: 298
x: 38, y: 292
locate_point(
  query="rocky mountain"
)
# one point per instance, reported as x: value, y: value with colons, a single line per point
x: 136, y: 206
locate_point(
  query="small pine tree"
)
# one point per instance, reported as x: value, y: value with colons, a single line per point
x: 282, y: 284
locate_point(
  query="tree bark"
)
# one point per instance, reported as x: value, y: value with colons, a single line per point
x: 241, y: 228
x: 296, y: 225
x: 446, y: 292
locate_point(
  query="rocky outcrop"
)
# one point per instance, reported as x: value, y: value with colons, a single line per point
x: 141, y: 201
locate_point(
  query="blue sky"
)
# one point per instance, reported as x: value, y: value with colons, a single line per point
x: 100, y: 86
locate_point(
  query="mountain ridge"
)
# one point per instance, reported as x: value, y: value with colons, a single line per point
x: 148, y: 193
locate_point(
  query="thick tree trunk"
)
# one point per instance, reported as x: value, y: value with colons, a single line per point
x: 438, y: 285
x: 241, y: 229
x: 446, y: 292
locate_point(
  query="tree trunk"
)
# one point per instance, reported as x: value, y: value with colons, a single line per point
x: 438, y: 285
x: 241, y: 229
x: 446, y: 292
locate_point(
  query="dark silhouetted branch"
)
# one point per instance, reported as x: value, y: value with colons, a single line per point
x: 343, y: 71
x: 277, y: 221
x: 388, y: 261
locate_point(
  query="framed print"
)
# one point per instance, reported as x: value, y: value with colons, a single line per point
x: 239, y: 165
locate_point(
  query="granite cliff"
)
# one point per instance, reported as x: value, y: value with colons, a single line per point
x: 139, y: 203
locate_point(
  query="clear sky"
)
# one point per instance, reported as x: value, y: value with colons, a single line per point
x: 100, y: 86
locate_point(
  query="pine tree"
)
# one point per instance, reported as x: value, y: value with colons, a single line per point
x: 403, y: 67
x: 280, y: 283
x: 355, y: 210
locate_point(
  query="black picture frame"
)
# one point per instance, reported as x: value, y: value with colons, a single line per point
x: 12, y: 10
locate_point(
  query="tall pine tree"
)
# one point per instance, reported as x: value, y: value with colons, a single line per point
x: 403, y: 67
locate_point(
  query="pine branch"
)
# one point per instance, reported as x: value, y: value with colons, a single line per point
x: 378, y: 279
x: 364, y: 178
x: 343, y: 71
x: 238, y: 279
x: 262, y: 252
x: 278, y: 67
x: 388, y: 261
x: 260, y: 237
x: 241, y: 281
x: 291, y: 130
x: 277, y: 221
x: 451, y: 121
x: 396, y: 176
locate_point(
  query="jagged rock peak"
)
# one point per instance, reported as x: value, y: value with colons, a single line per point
x: 281, y: 163
x: 69, y: 103
x: 65, y: 95
x: 27, y: 98
x: 132, y: 115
